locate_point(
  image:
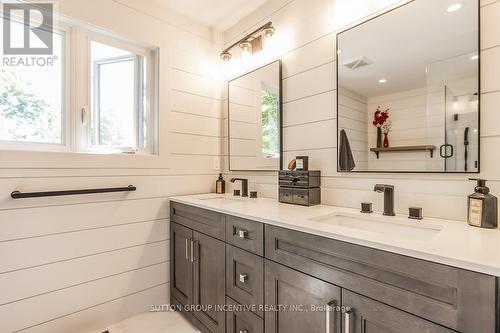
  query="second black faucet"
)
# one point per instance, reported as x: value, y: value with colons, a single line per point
x: 244, y: 186
x: 388, y: 191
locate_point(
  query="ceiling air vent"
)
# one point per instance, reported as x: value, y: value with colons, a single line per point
x: 357, y: 63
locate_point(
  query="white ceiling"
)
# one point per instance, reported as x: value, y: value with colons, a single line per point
x: 400, y: 46
x: 217, y: 14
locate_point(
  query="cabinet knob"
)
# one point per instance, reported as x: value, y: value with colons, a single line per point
x: 243, y: 278
x: 242, y: 234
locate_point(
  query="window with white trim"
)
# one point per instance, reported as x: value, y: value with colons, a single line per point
x: 98, y: 95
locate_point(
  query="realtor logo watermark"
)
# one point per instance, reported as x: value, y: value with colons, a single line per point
x: 28, y: 34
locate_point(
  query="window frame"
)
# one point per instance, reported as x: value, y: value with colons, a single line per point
x: 147, y: 114
x: 76, y: 96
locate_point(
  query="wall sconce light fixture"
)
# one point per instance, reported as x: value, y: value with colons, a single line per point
x: 252, y: 42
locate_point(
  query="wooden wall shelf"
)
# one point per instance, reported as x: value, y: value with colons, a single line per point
x: 430, y: 149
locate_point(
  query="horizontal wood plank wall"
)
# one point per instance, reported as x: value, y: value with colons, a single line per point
x: 81, y: 263
x: 308, y: 55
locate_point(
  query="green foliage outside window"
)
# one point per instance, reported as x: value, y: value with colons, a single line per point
x: 270, y: 123
x: 24, y: 116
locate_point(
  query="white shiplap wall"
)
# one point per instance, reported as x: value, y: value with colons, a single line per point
x: 77, y: 264
x: 305, y: 42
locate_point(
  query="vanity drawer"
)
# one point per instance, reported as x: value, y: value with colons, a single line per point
x: 244, y: 277
x: 301, y: 179
x: 242, y: 321
x: 245, y: 234
x: 205, y: 221
x: 286, y: 195
x: 459, y: 299
x: 300, y: 196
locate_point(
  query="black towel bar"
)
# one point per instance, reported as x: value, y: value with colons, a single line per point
x: 19, y: 195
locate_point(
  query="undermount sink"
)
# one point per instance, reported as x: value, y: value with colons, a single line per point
x: 383, y: 225
x: 223, y: 198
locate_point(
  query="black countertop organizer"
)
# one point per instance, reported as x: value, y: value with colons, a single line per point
x: 300, y: 187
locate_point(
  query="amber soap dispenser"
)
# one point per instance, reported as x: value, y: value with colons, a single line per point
x: 482, y: 210
x: 220, y: 185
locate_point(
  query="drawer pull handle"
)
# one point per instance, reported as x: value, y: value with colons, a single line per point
x: 243, y: 278
x: 243, y: 234
x: 330, y: 324
x: 244, y: 331
x: 348, y: 324
x: 187, y: 249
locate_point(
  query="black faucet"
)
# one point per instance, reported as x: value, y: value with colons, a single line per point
x: 244, y: 186
x: 388, y: 198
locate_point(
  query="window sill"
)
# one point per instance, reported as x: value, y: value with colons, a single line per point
x: 85, y: 160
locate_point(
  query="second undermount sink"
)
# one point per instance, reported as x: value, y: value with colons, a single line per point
x: 383, y: 225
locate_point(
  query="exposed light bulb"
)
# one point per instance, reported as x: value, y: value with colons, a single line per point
x: 454, y: 7
x: 246, y: 46
x: 268, y: 32
x: 225, y: 56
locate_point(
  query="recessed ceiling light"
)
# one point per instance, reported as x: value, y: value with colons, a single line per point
x: 454, y: 7
x: 474, y: 57
x: 382, y: 81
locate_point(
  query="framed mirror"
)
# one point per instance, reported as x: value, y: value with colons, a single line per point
x: 255, y: 120
x: 408, y: 90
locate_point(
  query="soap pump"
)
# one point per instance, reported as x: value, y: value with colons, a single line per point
x: 482, y: 210
x: 220, y: 185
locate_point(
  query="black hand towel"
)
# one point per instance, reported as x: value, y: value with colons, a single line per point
x: 346, y: 160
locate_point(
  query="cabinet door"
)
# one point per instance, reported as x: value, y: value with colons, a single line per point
x: 295, y: 294
x: 181, y: 270
x: 369, y: 316
x: 208, y: 281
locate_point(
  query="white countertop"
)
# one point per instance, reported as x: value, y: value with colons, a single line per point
x: 447, y: 242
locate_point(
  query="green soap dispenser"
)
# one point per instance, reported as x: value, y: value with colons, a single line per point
x: 482, y: 210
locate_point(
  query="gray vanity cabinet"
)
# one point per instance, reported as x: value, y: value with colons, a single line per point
x: 198, y: 265
x: 197, y: 275
x: 462, y: 300
x: 303, y: 303
x: 221, y: 259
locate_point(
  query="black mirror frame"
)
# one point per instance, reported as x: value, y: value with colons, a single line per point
x: 478, y: 107
x: 280, y: 117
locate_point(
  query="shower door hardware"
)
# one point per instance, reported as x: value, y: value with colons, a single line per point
x: 443, y: 151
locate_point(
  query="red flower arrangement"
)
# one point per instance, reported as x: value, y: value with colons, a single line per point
x: 380, y: 117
